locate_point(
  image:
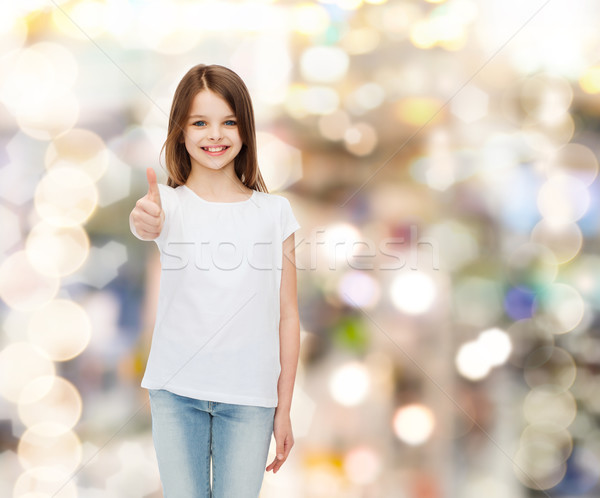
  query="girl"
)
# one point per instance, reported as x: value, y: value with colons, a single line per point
x: 224, y: 352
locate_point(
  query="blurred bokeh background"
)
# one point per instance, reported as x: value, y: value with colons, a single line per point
x: 441, y: 158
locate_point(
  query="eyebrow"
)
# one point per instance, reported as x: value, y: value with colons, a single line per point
x: 203, y: 116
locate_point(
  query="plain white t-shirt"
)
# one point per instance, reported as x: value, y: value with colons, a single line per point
x: 216, y: 335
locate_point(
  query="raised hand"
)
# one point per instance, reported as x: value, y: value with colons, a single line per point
x: 147, y: 215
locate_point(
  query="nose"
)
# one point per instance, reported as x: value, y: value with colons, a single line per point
x: 214, y: 133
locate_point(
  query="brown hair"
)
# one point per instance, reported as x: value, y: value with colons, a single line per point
x: 227, y: 84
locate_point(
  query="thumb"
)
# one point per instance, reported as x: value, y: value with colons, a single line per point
x: 153, y: 192
x: 279, y: 451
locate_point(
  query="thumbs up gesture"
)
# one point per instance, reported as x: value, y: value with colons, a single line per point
x: 147, y: 215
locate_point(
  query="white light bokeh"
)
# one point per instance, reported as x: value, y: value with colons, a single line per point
x: 363, y: 290
x: 50, y: 399
x: 470, y: 361
x: 324, y: 64
x: 49, y: 444
x: 20, y: 363
x: 349, y: 384
x: 62, y: 329
x: 496, y: 344
x: 57, y: 251
x: 22, y: 286
x: 80, y: 149
x: 362, y: 465
x: 65, y: 197
x: 413, y: 292
x: 475, y: 359
x: 563, y: 199
x: 414, y: 424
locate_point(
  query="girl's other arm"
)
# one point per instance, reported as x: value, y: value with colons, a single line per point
x: 147, y: 217
x: 289, y: 347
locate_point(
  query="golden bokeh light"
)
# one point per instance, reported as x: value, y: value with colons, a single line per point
x: 589, y: 81
x: 20, y: 363
x: 57, y: 251
x: 564, y: 240
x: 360, y: 139
x: 65, y: 197
x: 49, y: 444
x: 22, y: 286
x: 550, y: 404
x: 417, y: 111
x: 43, y: 482
x: 80, y: 149
x: 53, y: 118
x: 23, y: 70
x: 62, y: 329
x: 576, y: 160
x: 360, y: 41
x: 309, y: 18
x: 91, y: 16
x: 59, y: 402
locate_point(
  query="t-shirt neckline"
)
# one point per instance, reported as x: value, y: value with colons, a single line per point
x: 219, y: 202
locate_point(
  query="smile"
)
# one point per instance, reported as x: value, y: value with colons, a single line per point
x: 216, y: 149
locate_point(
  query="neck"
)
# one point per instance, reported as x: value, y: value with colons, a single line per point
x: 218, y: 183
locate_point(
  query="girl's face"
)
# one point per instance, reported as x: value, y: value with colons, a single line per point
x: 211, y: 133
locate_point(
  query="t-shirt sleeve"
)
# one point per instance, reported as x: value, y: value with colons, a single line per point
x: 289, y: 224
x: 165, y: 201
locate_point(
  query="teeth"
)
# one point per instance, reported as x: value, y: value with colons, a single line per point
x: 214, y: 149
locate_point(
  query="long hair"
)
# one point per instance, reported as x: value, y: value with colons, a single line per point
x: 227, y: 84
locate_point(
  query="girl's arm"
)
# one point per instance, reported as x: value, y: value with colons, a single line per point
x: 289, y: 327
x: 289, y: 348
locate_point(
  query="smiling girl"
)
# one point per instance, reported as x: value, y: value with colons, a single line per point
x: 224, y: 353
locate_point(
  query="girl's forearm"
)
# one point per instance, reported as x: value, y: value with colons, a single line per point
x: 289, y: 348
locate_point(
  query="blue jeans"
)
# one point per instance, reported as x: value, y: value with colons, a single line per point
x: 187, y: 432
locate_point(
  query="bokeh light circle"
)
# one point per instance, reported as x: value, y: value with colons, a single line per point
x: 49, y: 443
x: 563, y: 199
x: 20, y: 363
x: 65, y: 197
x: 22, y: 287
x: 61, y: 328
x: 559, y: 308
x: 81, y: 149
x: 57, y: 251
x: 43, y: 481
x: 550, y: 404
x: 50, y: 399
x: 564, y: 240
x: 413, y: 292
x: 414, y: 423
x: 349, y: 384
x: 550, y: 365
x: 362, y: 465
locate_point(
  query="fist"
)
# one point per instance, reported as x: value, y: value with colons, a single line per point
x: 147, y: 215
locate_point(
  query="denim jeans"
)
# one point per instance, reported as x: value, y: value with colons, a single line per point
x: 187, y: 432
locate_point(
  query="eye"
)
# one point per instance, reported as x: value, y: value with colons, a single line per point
x: 231, y: 121
x: 197, y: 122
